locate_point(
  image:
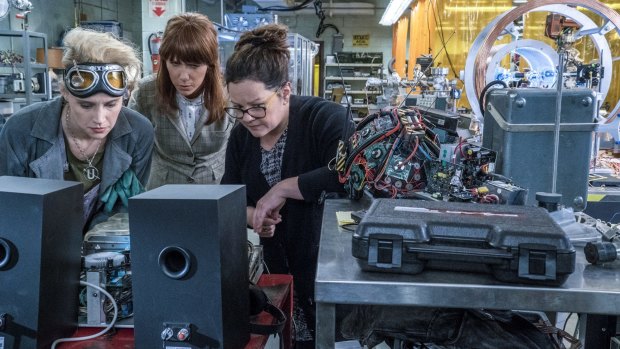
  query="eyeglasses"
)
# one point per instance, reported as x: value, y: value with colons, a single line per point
x: 257, y: 112
x: 86, y: 79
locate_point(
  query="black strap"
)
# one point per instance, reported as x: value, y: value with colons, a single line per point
x: 275, y: 327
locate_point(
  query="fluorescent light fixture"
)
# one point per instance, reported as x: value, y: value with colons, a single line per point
x: 393, y: 11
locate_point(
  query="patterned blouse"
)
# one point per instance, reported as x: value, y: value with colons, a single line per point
x: 271, y: 163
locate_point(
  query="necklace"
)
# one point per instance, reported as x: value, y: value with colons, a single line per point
x: 90, y: 172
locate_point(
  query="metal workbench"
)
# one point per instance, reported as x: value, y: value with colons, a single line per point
x: 589, y: 290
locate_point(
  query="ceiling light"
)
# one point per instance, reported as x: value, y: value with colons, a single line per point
x: 393, y: 11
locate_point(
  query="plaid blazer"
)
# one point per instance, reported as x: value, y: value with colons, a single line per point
x: 178, y: 159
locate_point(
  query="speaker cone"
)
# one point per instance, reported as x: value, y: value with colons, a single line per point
x: 175, y: 262
x: 5, y: 253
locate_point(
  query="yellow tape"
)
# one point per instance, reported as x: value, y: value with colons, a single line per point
x: 595, y: 197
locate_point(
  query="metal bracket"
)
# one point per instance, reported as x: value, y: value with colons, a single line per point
x: 604, y: 29
x: 95, y: 314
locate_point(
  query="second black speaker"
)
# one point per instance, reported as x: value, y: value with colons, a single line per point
x: 190, y: 267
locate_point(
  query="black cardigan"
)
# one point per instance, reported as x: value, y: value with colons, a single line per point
x: 314, y: 129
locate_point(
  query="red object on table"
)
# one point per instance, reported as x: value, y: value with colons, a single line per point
x: 278, y: 287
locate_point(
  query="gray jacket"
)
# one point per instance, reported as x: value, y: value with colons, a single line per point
x: 177, y: 159
x: 30, y: 145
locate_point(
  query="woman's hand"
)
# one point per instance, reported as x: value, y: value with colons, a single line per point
x: 269, y: 225
x: 267, y: 209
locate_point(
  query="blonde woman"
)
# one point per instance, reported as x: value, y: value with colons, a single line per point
x: 86, y: 134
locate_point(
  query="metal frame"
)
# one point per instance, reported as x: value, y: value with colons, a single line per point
x: 599, y: 41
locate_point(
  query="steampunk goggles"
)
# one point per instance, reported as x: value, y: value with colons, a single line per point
x: 86, y: 79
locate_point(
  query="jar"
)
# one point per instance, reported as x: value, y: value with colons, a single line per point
x: 616, y: 149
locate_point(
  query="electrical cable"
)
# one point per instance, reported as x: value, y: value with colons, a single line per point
x: 417, y: 80
x: 443, y: 42
x: 566, y: 321
x: 301, y: 6
x: 346, y: 95
x: 318, y: 9
x: 483, y: 93
x: 110, y: 325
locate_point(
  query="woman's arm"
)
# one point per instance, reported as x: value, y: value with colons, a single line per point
x: 13, y: 160
x: 327, y: 124
x: 267, y: 211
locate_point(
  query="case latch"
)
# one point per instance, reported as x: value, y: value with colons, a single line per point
x: 385, y: 250
x: 537, y: 262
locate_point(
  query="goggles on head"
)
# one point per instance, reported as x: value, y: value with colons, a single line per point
x: 86, y: 79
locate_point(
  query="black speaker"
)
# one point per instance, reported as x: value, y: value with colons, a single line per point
x: 40, y: 237
x: 190, y: 267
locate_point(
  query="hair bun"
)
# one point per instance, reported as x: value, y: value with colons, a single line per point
x: 270, y: 36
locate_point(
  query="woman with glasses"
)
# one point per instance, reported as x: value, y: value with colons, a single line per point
x: 280, y: 150
x: 86, y: 134
x: 185, y: 101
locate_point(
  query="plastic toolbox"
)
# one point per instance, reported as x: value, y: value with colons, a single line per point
x: 520, y: 244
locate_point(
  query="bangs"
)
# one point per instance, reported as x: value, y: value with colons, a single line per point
x: 190, y: 48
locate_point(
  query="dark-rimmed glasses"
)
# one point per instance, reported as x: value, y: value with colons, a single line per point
x: 257, y: 112
x: 86, y: 79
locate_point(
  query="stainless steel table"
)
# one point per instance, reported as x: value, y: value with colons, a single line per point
x: 590, y: 289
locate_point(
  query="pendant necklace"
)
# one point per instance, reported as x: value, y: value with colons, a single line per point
x: 90, y: 172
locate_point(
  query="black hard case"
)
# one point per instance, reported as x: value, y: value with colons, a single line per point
x: 521, y: 244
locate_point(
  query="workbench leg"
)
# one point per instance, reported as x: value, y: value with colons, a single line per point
x: 599, y: 330
x: 325, y: 325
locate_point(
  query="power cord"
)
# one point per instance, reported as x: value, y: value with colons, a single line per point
x: 443, y: 41
x: 485, y: 90
x: 318, y: 9
x: 110, y: 325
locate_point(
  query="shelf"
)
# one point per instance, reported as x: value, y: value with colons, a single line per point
x: 357, y: 78
x: 355, y: 85
x: 23, y: 66
x: 5, y: 96
x: 366, y: 65
x: 23, y: 43
x: 21, y: 33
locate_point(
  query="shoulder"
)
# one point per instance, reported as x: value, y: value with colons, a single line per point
x: 311, y: 109
x: 148, y: 81
x: 24, y: 119
x: 240, y: 137
x: 147, y: 86
x: 311, y: 103
x: 137, y: 120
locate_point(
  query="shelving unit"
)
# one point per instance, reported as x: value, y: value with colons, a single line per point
x: 301, y: 65
x: 25, y: 44
x: 355, y: 76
